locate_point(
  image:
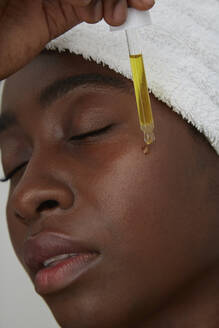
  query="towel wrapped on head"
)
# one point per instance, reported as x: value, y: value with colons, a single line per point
x: 181, y: 55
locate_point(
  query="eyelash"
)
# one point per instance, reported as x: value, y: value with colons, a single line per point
x: 10, y: 175
x: 92, y: 133
x: 79, y: 137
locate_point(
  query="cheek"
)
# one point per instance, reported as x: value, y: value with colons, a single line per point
x: 121, y: 187
x: 17, y: 231
x: 141, y: 203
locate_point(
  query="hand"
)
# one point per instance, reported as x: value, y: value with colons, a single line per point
x: 26, y: 26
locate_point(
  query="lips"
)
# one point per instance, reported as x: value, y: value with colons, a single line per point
x: 56, y: 261
x: 47, y: 245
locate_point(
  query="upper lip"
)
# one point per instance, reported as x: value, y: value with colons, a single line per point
x: 45, y: 245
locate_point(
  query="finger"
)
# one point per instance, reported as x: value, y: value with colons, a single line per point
x: 59, y: 16
x: 141, y: 4
x: 92, y: 13
x: 3, y: 5
x: 81, y: 3
x: 115, y: 11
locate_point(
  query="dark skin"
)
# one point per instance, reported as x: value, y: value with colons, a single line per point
x: 153, y: 218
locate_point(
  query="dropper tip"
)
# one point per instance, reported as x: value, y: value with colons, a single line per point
x: 149, y: 137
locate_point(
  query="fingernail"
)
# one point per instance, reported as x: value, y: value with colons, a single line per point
x: 148, y: 2
x: 98, y: 11
x: 120, y: 12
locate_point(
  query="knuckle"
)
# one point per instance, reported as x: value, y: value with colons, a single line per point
x: 83, y: 3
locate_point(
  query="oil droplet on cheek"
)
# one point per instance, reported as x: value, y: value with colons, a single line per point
x: 145, y: 149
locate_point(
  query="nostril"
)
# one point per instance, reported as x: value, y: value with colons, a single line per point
x: 47, y: 205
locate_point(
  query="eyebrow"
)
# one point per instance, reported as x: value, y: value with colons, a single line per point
x: 60, y: 87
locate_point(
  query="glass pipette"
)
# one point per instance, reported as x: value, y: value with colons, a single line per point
x: 135, y: 20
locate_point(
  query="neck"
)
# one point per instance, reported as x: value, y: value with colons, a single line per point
x: 197, y: 306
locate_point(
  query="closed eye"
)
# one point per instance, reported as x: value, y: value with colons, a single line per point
x: 92, y: 133
x: 83, y: 136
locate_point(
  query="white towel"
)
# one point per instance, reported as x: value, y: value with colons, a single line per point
x: 1, y: 90
x: 181, y: 55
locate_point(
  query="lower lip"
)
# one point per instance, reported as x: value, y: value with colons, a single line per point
x: 61, y: 275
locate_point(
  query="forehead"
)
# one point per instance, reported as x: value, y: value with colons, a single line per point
x: 50, y: 66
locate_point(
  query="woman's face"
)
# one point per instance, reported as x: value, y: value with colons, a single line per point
x: 145, y: 216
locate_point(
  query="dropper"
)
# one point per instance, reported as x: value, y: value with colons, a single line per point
x: 135, y: 20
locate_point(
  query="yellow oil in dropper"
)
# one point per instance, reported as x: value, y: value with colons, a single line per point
x: 142, y: 98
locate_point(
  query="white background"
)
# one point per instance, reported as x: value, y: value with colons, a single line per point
x: 20, y: 306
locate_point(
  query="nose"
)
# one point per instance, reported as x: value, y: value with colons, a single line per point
x: 39, y: 196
